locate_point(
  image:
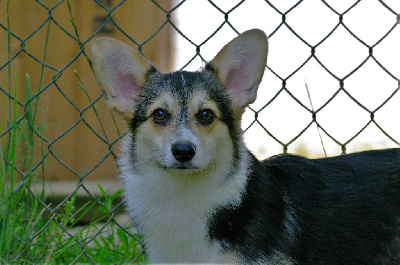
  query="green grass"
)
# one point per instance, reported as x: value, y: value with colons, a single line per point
x: 32, y: 231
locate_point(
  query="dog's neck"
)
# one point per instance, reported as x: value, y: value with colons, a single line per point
x: 172, y: 209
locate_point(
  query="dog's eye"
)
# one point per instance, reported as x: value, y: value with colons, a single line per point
x: 160, y: 116
x: 206, y: 116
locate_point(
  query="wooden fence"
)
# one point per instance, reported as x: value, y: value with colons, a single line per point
x: 45, y: 44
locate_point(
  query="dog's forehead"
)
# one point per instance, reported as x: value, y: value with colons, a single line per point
x: 182, y: 84
x: 185, y: 90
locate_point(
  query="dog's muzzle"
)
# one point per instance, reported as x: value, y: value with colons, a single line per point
x: 183, y: 151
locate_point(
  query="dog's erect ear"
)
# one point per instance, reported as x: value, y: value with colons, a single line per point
x: 240, y: 66
x: 121, y: 73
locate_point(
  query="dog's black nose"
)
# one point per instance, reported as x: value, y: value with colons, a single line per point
x: 183, y: 151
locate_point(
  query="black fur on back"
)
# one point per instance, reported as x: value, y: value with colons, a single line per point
x: 340, y: 210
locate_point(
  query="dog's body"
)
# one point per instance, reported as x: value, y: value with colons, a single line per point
x: 199, y: 196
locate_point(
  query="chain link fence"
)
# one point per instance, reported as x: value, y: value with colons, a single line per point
x: 55, y: 128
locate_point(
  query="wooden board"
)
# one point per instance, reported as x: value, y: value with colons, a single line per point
x: 71, y: 133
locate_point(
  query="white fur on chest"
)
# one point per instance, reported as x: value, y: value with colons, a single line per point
x: 172, y: 211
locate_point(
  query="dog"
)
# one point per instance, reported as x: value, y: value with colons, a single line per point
x: 198, y: 195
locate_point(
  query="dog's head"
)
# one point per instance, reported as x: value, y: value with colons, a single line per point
x: 186, y: 121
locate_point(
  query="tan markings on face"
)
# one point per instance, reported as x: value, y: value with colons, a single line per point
x: 237, y: 116
x: 212, y: 141
x: 214, y: 138
x: 166, y: 102
x: 152, y: 137
x: 200, y: 101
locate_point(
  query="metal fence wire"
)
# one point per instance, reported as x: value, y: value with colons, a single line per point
x: 54, y: 125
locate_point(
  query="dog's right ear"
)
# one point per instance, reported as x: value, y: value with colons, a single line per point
x: 121, y: 73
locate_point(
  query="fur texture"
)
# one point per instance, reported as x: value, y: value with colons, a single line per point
x: 199, y: 196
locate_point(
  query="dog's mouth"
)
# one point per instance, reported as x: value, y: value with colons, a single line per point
x: 186, y: 167
x: 183, y: 167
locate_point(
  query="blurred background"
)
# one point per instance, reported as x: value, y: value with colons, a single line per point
x: 330, y: 86
x: 345, y: 52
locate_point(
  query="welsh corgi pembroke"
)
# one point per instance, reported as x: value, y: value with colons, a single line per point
x: 198, y: 195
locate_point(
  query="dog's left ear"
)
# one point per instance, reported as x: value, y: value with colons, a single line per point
x: 240, y: 66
